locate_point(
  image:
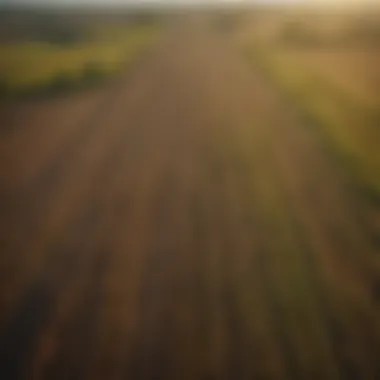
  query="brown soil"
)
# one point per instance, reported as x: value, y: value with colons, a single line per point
x: 182, y: 223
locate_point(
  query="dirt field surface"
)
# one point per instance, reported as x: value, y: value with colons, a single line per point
x: 181, y: 223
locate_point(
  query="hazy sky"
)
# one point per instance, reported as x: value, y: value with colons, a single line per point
x: 121, y: 2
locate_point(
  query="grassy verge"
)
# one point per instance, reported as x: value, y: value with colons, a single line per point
x: 349, y: 127
x: 326, y: 64
x: 39, y: 67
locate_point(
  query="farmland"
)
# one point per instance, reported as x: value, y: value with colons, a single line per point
x: 327, y: 65
x: 65, y: 54
x: 194, y: 218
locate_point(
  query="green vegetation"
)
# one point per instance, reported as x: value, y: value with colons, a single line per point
x: 71, y: 58
x: 333, y: 86
x: 296, y: 32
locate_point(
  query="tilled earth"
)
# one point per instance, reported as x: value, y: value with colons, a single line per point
x: 182, y: 223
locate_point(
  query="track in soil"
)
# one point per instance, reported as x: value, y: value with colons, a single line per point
x: 183, y: 223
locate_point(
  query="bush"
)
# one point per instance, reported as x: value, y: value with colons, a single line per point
x: 4, y: 89
x: 93, y: 73
x: 61, y: 82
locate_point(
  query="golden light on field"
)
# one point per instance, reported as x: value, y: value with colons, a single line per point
x: 190, y: 193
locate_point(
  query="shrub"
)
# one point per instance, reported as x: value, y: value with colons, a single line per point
x: 4, y: 89
x: 60, y: 82
x: 93, y: 73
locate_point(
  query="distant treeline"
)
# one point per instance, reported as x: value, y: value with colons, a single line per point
x: 63, y: 27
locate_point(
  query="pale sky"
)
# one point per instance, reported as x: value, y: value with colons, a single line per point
x: 121, y: 2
